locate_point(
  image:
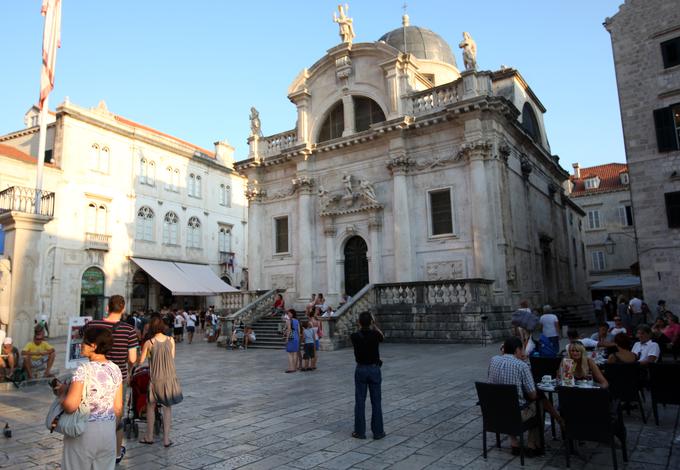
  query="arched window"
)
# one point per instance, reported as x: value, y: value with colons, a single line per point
x: 334, y: 124
x: 143, y: 170
x: 170, y: 223
x: 366, y: 112
x: 168, y: 178
x: 104, y: 160
x: 530, y: 123
x: 144, y: 226
x: 151, y: 174
x: 194, y: 233
x: 224, y: 194
x: 96, y: 218
x: 191, y: 184
x: 197, y: 186
x: 175, y: 180
x: 224, y: 240
x: 94, y: 157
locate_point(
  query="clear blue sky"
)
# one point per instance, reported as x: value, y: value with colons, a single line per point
x: 193, y: 69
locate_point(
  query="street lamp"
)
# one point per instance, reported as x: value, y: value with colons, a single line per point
x: 609, y: 244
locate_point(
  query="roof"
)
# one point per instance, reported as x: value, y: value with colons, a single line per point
x: 16, y: 154
x: 421, y: 42
x: 609, y: 175
x: 137, y: 125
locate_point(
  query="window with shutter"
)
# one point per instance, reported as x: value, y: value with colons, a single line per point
x: 670, y: 52
x: 281, y: 235
x: 440, y: 212
x: 673, y: 209
x: 598, y: 260
x: 667, y: 124
x: 593, y: 220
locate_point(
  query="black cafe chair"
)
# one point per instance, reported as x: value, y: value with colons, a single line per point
x: 541, y: 366
x: 664, y: 384
x: 501, y: 414
x: 587, y: 417
x: 624, y: 385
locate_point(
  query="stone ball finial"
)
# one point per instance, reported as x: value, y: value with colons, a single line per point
x: 405, y: 20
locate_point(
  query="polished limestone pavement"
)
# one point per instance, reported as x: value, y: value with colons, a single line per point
x: 241, y: 410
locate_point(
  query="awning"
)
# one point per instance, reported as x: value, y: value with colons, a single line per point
x: 205, y: 276
x: 620, y: 282
x: 182, y: 280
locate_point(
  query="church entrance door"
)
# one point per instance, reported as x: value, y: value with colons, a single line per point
x: 356, y: 265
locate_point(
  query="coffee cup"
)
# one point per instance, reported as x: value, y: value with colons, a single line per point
x: 546, y: 379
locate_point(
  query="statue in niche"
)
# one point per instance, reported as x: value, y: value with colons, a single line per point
x: 255, y: 125
x: 469, y: 47
x: 368, y: 191
x: 345, y: 24
x: 347, y: 180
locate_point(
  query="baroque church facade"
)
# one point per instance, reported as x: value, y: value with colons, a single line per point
x: 401, y: 168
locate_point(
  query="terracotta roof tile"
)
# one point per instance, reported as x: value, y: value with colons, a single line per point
x: 609, y: 175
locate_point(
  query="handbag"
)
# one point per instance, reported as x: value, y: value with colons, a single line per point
x: 68, y: 424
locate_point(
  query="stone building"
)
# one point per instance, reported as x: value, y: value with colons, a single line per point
x: 134, y: 212
x: 403, y: 168
x: 610, y: 252
x: 645, y: 37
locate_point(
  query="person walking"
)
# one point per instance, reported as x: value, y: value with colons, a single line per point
x: 124, y: 350
x: 292, y: 335
x: 550, y: 326
x: 191, y: 325
x: 367, y: 375
x: 164, y: 387
x: 95, y: 448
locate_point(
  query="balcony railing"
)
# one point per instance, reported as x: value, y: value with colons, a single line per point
x: 97, y: 241
x: 27, y: 200
x: 226, y: 257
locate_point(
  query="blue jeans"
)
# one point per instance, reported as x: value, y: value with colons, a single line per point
x: 368, y: 376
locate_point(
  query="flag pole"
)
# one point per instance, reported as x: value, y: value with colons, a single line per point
x: 42, y: 143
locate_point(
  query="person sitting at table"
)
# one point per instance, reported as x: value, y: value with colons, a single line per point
x: 602, y: 336
x: 658, y: 335
x: 510, y: 368
x: 618, y: 327
x: 672, y: 331
x: 575, y: 337
x: 622, y: 355
x: 646, y: 350
x: 586, y: 369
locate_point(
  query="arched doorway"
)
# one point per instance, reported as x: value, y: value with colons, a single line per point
x: 356, y: 265
x: 140, y: 291
x: 92, y: 293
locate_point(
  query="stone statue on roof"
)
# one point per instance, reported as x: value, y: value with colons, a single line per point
x: 469, y: 47
x: 345, y: 24
x: 255, y: 125
x: 368, y: 191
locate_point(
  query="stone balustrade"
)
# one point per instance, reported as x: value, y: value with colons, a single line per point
x: 249, y: 314
x: 27, y: 200
x: 97, y: 241
x: 338, y: 328
x: 436, y: 98
x: 274, y: 144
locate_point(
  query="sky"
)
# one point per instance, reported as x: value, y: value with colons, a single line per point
x: 194, y: 68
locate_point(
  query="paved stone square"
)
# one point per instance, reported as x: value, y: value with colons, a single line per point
x: 242, y: 411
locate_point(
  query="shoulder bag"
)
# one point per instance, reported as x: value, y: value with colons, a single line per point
x: 69, y: 424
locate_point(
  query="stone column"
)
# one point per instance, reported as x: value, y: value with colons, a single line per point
x: 302, y: 102
x: 23, y: 236
x: 331, y: 279
x: 305, y: 237
x: 255, y: 233
x: 348, y: 105
x: 374, y: 230
x: 482, y: 228
x: 399, y: 164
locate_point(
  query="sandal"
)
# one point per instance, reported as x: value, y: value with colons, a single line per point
x: 144, y: 441
x: 168, y: 444
x: 290, y: 371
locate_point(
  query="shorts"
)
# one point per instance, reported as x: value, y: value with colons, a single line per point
x: 316, y: 344
x: 191, y: 329
x: 39, y: 364
x: 179, y: 331
x: 309, y: 351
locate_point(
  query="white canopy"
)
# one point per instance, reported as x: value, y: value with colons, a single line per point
x: 620, y: 282
x: 184, y: 278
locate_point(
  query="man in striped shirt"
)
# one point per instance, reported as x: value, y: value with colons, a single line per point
x: 124, y: 350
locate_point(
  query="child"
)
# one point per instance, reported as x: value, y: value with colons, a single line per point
x: 310, y: 338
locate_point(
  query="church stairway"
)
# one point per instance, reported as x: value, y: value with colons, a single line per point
x: 269, y: 332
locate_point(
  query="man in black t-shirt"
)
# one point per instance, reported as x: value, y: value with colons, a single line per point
x: 367, y: 376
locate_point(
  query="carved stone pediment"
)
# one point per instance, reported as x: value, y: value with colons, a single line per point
x: 358, y: 196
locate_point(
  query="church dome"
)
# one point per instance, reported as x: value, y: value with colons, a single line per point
x: 421, y: 42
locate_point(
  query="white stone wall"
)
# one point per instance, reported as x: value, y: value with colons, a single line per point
x: 644, y: 85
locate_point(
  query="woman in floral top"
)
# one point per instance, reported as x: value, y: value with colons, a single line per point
x: 96, y: 447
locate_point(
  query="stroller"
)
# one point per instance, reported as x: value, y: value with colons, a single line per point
x: 139, y: 391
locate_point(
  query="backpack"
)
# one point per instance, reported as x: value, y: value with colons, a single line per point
x: 524, y: 319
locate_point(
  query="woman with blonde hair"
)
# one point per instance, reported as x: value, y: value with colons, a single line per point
x: 584, y: 367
